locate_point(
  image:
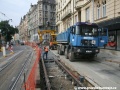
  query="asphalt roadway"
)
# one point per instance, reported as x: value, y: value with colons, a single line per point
x: 11, y: 72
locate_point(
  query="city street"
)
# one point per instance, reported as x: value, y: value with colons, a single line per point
x: 81, y: 38
x: 14, y: 65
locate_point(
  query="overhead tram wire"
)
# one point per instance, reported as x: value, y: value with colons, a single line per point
x: 7, y: 17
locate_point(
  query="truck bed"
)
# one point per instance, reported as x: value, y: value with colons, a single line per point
x: 63, y: 37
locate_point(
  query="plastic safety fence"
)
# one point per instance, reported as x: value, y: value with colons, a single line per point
x: 30, y: 83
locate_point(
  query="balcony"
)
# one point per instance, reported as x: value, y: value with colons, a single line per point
x: 66, y: 14
x: 79, y: 4
x: 58, y: 22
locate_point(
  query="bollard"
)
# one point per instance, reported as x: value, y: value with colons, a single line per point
x: 4, y: 51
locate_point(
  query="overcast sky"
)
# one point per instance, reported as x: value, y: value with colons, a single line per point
x: 14, y: 9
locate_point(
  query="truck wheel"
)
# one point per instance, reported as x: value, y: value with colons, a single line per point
x: 71, y: 56
x: 66, y: 54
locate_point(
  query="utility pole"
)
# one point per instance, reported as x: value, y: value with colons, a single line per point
x: 93, y: 11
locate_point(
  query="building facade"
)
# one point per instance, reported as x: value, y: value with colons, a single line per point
x: 47, y: 16
x: 41, y: 16
x: 106, y: 13
x: 32, y: 22
x: 23, y: 28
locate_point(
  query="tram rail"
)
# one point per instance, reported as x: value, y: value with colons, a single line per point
x: 13, y: 59
x: 21, y: 73
x: 76, y: 81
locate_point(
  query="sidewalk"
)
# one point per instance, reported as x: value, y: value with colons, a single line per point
x: 109, y: 55
x: 8, y: 53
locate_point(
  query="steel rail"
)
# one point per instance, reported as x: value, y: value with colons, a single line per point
x: 64, y: 68
x: 67, y: 71
x: 46, y: 76
x: 15, y: 58
x: 19, y: 75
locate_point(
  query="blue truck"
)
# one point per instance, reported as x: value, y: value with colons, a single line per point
x: 81, y: 40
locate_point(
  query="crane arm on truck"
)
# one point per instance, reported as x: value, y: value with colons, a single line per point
x: 52, y: 36
x: 42, y: 32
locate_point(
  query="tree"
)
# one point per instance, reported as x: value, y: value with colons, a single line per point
x: 7, y: 30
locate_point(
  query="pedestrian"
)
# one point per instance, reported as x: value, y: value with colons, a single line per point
x: 11, y: 48
x: 45, y: 52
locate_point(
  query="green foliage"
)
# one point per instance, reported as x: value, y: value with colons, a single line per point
x: 7, y: 30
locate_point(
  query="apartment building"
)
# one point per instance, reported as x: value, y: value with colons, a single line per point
x: 64, y: 10
x: 32, y: 22
x: 46, y: 9
x: 106, y: 13
x: 40, y: 16
x: 23, y: 28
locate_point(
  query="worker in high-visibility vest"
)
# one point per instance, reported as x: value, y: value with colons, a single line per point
x: 45, y: 52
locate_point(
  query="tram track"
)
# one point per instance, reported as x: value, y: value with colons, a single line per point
x: 95, y: 71
x: 13, y: 59
x: 13, y: 85
x: 53, y: 71
x: 15, y: 70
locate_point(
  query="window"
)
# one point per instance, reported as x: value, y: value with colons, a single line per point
x: 59, y: 16
x: 76, y: 18
x: 45, y: 7
x: 98, y: 10
x: 51, y: 7
x: 87, y: 14
x: 112, y: 40
x: 89, y: 31
x: 77, y: 30
x: 59, y: 5
x: 86, y: 30
x: 46, y: 13
x: 104, y: 8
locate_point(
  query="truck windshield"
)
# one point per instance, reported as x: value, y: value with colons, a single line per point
x: 86, y: 30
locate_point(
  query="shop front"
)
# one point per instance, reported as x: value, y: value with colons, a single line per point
x: 113, y: 26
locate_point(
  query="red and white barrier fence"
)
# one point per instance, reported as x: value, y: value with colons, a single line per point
x: 30, y: 83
